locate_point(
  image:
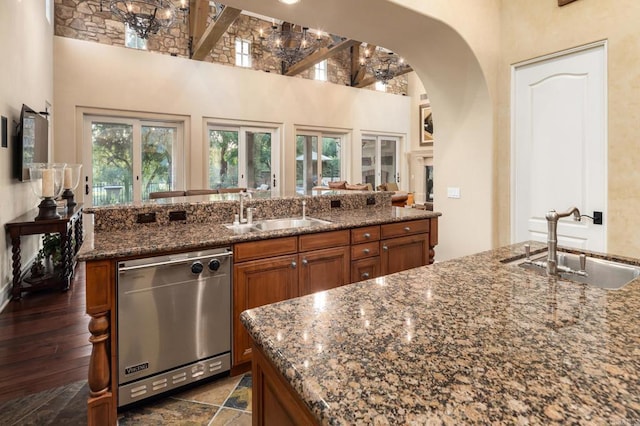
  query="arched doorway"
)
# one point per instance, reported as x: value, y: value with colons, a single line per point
x: 458, y: 91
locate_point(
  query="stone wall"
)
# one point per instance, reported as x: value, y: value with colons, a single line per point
x: 89, y: 20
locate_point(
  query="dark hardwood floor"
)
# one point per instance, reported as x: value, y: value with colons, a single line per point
x: 44, y: 340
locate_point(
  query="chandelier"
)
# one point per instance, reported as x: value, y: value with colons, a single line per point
x: 383, y: 64
x: 291, y: 44
x: 145, y: 17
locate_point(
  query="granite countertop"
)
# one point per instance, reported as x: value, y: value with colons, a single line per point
x: 151, y: 240
x: 469, y: 340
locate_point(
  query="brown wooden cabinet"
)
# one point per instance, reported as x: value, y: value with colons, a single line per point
x: 324, y: 261
x: 257, y: 283
x: 270, y: 271
x: 404, y: 245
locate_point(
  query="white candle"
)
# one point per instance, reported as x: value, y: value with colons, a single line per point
x: 67, y: 178
x: 47, y: 183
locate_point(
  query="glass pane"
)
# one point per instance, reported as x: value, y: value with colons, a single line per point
x: 112, y: 163
x: 330, y: 160
x: 158, y: 173
x: 223, y: 159
x: 388, y: 161
x: 259, y: 160
x: 306, y: 162
x: 369, y: 161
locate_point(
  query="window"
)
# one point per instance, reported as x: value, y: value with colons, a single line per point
x: 132, y: 40
x: 381, y: 87
x: 380, y: 157
x: 242, y: 157
x: 243, y: 53
x: 309, y: 166
x: 127, y: 158
x: 321, y: 70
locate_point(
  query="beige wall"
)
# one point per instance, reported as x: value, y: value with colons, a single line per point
x: 453, y: 47
x: 92, y: 75
x: 534, y: 28
x: 26, y: 76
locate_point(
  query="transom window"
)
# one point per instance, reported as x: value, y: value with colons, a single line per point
x: 321, y: 70
x: 243, y: 53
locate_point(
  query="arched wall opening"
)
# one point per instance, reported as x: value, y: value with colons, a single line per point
x: 458, y: 91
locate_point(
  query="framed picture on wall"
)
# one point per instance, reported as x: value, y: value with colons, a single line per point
x: 426, y: 125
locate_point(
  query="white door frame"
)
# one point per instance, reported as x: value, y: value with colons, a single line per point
x: 514, y: 67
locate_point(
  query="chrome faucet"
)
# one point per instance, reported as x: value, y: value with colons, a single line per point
x: 304, y: 209
x: 242, y: 196
x: 552, y: 236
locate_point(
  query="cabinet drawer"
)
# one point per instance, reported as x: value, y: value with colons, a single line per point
x: 323, y: 240
x: 365, y: 269
x: 405, y: 228
x: 365, y: 234
x: 361, y: 251
x: 264, y: 248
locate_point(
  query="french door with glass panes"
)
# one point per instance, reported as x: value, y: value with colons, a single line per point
x: 380, y: 159
x: 243, y: 157
x: 125, y: 159
x: 318, y: 170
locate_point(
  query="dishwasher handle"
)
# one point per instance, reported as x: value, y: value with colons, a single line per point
x: 171, y: 262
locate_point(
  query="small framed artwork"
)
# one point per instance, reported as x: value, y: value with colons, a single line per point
x: 426, y: 125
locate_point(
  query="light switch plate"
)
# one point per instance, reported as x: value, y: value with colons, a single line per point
x: 453, y: 192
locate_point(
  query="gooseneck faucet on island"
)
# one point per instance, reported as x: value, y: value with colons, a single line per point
x: 552, y: 236
x: 551, y: 264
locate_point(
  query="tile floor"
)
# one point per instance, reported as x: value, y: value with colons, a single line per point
x: 226, y: 401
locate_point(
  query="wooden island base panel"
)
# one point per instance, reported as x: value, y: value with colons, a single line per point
x: 290, y: 263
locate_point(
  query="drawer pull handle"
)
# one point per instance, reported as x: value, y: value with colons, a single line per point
x: 406, y: 228
x: 385, y: 248
x: 294, y: 264
x: 365, y: 275
x: 367, y: 235
x: 304, y: 262
x: 366, y: 251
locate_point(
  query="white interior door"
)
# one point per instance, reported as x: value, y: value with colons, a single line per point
x: 559, y: 146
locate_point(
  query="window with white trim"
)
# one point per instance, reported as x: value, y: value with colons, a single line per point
x: 243, y: 53
x: 321, y: 70
x: 132, y: 40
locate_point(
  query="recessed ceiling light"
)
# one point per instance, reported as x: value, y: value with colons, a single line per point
x: 289, y: 1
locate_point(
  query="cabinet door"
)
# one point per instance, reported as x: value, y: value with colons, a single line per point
x: 365, y: 269
x: 257, y: 283
x: 402, y: 253
x: 323, y: 269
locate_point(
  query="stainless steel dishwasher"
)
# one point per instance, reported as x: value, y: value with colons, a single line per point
x: 174, y: 322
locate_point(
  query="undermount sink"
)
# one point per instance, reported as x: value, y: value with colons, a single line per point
x: 600, y: 273
x: 288, y: 223
x: 276, y: 224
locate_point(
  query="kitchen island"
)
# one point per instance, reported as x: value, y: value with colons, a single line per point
x: 472, y: 340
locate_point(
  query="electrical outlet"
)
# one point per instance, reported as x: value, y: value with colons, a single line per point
x: 371, y: 201
x: 177, y: 215
x: 597, y: 218
x: 146, y: 217
x: 335, y: 204
x: 453, y: 192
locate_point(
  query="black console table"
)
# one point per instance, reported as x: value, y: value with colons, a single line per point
x: 69, y: 226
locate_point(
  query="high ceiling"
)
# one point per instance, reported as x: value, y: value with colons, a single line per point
x: 205, y: 31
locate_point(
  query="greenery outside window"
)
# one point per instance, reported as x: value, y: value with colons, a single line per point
x: 314, y: 170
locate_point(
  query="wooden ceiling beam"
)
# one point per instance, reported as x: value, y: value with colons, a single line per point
x: 358, y: 72
x: 214, y: 32
x: 370, y: 80
x: 198, y: 15
x: 319, y: 56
